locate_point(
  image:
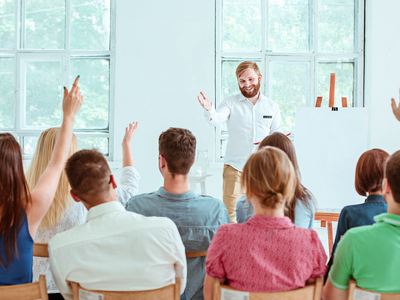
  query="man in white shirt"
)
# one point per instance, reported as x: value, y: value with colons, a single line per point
x: 250, y: 117
x: 114, y: 250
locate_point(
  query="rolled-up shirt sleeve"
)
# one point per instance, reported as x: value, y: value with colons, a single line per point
x: 129, y: 185
x: 276, y: 125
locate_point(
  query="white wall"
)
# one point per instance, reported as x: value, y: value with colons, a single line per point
x: 164, y: 57
x: 382, y: 72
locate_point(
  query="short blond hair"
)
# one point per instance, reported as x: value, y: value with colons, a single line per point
x: 246, y: 65
x: 270, y: 176
x: 62, y: 199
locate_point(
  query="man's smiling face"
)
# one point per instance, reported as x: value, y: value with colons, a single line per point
x: 249, y: 83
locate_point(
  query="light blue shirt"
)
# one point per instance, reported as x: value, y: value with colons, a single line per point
x: 304, y: 217
x: 197, y: 217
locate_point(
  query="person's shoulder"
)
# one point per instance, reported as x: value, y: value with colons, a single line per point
x: 142, y: 197
x: 233, y: 98
x: 270, y: 101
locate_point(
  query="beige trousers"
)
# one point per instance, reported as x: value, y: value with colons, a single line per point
x: 231, y: 190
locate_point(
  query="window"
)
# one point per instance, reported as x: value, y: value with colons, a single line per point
x: 44, y: 45
x: 297, y: 44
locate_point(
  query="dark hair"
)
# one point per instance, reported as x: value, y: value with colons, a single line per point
x: 370, y: 171
x: 302, y: 194
x: 178, y: 147
x: 89, y: 175
x: 15, y: 198
x: 392, y: 173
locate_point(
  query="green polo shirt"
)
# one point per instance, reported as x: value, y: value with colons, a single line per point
x: 370, y: 255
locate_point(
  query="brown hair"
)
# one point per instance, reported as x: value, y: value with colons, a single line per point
x: 89, y: 175
x: 392, y: 173
x: 302, y: 194
x: 40, y: 160
x: 370, y: 171
x: 246, y: 65
x: 15, y: 198
x: 269, y: 175
x: 178, y: 147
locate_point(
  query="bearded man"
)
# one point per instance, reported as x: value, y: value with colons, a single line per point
x: 250, y: 117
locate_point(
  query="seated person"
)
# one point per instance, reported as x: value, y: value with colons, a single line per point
x: 268, y: 253
x: 369, y: 176
x: 22, y: 209
x: 301, y: 209
x: 114, y: 250
x: 370, y: 254
x: 64, y: 213
x: 197, y: 216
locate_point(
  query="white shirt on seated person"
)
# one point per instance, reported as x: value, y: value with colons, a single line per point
x: 116, y: 250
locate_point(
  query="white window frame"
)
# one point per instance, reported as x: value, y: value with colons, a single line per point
x: 65, y: 55
x: 313, y: 57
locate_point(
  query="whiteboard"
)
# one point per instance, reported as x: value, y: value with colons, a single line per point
x: 328, y: 145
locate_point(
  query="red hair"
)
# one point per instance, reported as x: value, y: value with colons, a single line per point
x: 14, y: 194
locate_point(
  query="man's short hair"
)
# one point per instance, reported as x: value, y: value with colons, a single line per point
x: 392, y: 173
x: 89, y: 175
x: 246, y: 65
x: 178, y: 147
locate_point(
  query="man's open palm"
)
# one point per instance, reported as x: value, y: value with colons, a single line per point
x: 396, y: 109
x: 204, y: 102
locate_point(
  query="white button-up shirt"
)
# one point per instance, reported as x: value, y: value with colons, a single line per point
x: 248, y: 125
x: 116, y: 250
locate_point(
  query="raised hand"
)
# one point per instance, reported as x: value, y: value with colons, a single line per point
x: 395, y: 108
x: 72, y: 101
x: 129, y: 133
x: 205, y: 102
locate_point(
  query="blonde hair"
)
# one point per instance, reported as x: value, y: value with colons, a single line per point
x: 62, y: 199
x: 246, y: 65
x: 269, y: 175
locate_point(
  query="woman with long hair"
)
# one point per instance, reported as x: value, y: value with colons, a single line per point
x: 268, y: 253
x: 22, y: 209
x: 64, y: 213
x: 301, y: 210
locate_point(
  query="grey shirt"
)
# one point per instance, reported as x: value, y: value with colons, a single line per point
x: 197, y: 217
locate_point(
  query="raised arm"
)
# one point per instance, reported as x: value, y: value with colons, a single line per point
x: 44, y: 191
x: 395, y: 108
x: 214, y: 117
x: 130, y: 177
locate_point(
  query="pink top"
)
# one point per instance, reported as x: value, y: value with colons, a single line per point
x: 265, y: 254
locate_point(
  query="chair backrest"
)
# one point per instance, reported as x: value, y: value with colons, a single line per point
x: 355, y: 292
x: 29, y: 291
x: 196, y: 254
x: 170, y: 292
x: 309, y: 292
x: 40, y: 250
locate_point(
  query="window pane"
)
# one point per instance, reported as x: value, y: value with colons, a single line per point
x: 7, y: 24
x: 101, y: 144
x: 344, y: 86
x: 336, y: 26
x: 7, y: 97
x: 90, y: 24
x: 95, y: 87
x: 222, y: 148
x: 30, y: 143
x: 241, y: 24
x: 45, y: 24
x: 43, y: 94
x: 288, y: 28
x: 289, y: 87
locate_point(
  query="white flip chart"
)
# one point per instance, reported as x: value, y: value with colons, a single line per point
x: 328, y: 145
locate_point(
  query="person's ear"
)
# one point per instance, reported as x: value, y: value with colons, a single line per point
x: 386, y: 190
x: 112, y: 181
x: 161, y: 161
x: 259, y: 77
x: 75, y: 197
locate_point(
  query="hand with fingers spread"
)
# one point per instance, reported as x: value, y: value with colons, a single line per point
x: 72, y: 101
x: 205, y: 102
x: 395, y: 108
x: 129, y: 133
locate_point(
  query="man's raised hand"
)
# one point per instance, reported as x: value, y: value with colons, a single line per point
x: 72, y: 101
x: 129, y: 133
x: 395, y: 108
x: 204, y: 102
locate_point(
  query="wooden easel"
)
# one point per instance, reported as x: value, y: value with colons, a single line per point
x: 331, y: 94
